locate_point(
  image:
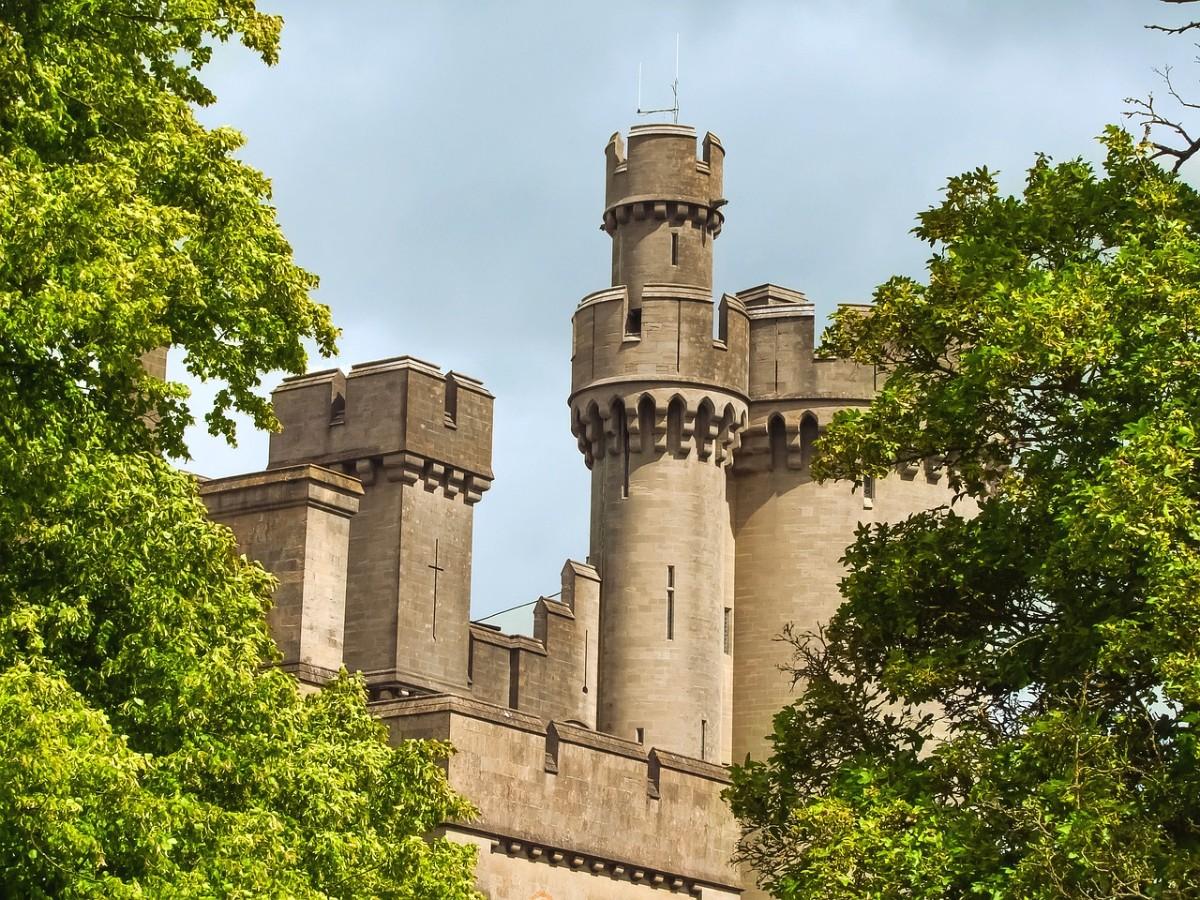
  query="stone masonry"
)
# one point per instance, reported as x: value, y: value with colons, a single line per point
x: 595, y: 747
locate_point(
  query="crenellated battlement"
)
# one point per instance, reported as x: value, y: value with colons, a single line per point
x: 540, y: 785
x: 553, y: 673
x: 783, y: 360
x: 662, y: 208
x: 675, y: 341
x: 659, y: 175
x: 401, y: 418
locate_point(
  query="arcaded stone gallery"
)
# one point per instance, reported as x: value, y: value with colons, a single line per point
x: 595, y: 748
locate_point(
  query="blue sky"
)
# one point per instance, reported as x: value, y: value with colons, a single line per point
x: 440, y: 166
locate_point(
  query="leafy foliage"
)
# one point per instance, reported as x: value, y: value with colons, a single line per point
x: 1006, y: 704
x: 145, y: 750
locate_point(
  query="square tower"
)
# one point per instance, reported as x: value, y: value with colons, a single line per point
x: 420, y: 440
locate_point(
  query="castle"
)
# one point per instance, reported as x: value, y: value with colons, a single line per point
x: 595, y: 749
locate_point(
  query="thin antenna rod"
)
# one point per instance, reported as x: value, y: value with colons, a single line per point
x: 675, y: 86
x: 673, y: 110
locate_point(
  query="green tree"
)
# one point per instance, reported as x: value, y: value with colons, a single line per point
x: 145, y: 749
x: 1007, y: 703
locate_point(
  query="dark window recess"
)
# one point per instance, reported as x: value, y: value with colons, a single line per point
x: 337, y: 410
x: 633, y: 321
x: 674, y: 249
x: 641, y: 735
x: 450, y: 416
x: 728, y: 630
x: 670, y: 603
x: 777, y: 439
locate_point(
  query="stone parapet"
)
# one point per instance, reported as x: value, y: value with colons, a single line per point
x: 782, y: 358
x: 552, y: 674
x: 401, y: 414
x: 576, y: 802
x: 659, y: 166
x: 674, y: 346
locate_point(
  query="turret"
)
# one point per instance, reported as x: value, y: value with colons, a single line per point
x: 657, y: 405
x: 662, y: 207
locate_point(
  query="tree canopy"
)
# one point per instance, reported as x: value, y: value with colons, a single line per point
x: 1007, y: 703
x: 145, y: 747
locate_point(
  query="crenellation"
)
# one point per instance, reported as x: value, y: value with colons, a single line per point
x: 396, y: 410
x: 554, y: 673
x: 540, y: 784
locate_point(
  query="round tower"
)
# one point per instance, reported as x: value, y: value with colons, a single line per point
x: 657, y: 403
x: 791, y: 531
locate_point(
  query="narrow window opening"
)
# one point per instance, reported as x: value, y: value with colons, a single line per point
x: 624, y: 426
x: 450, y: 418
x: 674, y: 248
x: 641, y: 735
x: 703, y: 738
x: 670, y: 603
x: 337, y: 410
x: 514, y: 679
x: 633, y: 322
x: 728, y: 630
x: 868, y: 492
x: 585, y: 660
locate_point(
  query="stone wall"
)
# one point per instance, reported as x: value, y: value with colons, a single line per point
x: 295, y: 521
x: 573, y: 813
x: 553, y: 674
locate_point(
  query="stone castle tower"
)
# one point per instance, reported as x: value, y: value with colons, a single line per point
x: 595, y: 747
x: 699, y: 426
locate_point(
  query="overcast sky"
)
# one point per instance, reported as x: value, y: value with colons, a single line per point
x: 440, y: 166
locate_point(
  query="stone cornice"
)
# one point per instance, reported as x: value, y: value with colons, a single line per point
x: 303, y: 485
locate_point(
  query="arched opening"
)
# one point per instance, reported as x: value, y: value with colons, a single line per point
x: 646, y: 412
x: 809, y: 433
x: 704, y: 417
x: 777, y: 439
x: 675, y: 413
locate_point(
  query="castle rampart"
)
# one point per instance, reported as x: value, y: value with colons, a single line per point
x: 790, y: 531
x: 700, y: 425
x: 540, y: 786
x: 553, y: 674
